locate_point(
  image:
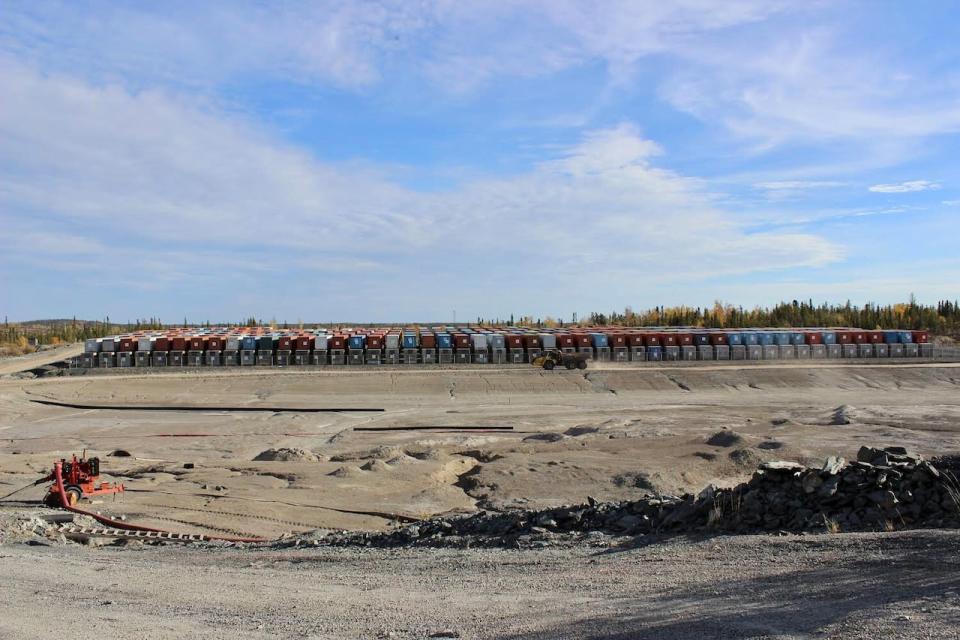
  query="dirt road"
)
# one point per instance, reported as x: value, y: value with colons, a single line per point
x: 896, y: 586
x: 38, y: 359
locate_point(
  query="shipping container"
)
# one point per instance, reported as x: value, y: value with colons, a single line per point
x: 479, y: 341
x: 444, y: 341
x: 734, y: 339
x: 617, y: 340
x: 653, y: 339
x: 600, y: 340
x: 566, y: 341
x: 409, y: 340
x: 813, y: 337
x: 891, y: 337
x: 672, y: 339
x: 921, y: 337
x: 548, y: 340
x: 357, y: 342
x: 248, y: 343
x: 428, y: 341
x: 718, y: 339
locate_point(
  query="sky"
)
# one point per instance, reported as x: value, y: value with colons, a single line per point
x: 416, y: 160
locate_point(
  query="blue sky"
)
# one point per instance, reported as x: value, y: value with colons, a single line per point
x: 397, y: 161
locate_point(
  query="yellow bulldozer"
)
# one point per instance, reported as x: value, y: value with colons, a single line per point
x: 551, y: 358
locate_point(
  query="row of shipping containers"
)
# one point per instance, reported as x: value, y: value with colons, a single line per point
x: 463, y: 344
x: 484, y: 338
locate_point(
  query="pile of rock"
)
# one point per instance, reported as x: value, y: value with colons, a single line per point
x: 883, y: 489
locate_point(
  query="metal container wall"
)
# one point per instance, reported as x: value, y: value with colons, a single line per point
x: 734, y: 339
x: 749, y: 338
x: 428, y: 341
x: 409, y: 341
x: 701, y: 339
x: 479, y: 341
x: 145, y: 344
x: 216, y: 343
x: 891, y: 337
x: 233, y: 343
x: 265, y: 343
x: 813, y: 337
x: 653, y: 340
x: 719, y: 339
x: 127, y: 345
x: 671, y: 339
x: 906, y: 337
x: 532, y: 341
x: 375, y: 342
x: 92, y: 345
x: 356, y: 342
x: 548, y: 340
x: 829, y: 337
x: 566, y: 341
x: 304, y: 343
x: 248, y: 343
x: 920, y: 337
x: 461, y: 341
x: 781, y: 339
x: 797, y: 338
x: 600, y: 340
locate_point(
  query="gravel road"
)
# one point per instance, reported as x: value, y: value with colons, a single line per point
x: 895, y: 585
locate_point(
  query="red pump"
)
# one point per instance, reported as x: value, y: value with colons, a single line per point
x: 75, y: 479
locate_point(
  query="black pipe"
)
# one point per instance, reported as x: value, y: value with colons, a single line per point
x: 107, y: 407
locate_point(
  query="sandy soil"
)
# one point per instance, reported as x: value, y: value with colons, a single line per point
x: 851, y: 586
x: 605, y: 433
x: 14, y: 364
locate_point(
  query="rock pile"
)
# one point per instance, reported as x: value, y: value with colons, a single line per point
x: 883, y: 489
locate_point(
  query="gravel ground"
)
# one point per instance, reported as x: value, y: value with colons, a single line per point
x: 890, y: 585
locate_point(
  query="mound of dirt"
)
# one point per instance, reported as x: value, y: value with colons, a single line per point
x: 844, y: 414
x: 401, y: 460
x: 119, y: 453
x: 580, y: 430
x: 549, y: 436
x: 382, y: 452
x: 770, y: 445
x: 745, y: 458
x: 725, y: 438
x: 346, y: 471
x: 286, y: 455
x: 375, y: 465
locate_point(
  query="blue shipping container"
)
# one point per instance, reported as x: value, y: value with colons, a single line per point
x: 829, y: 337
x: 766, y: 339
x: 749, y: 338
x: 409, y: 341
x: 444, y: 341
x: 734, y: 339
x: 797, y: 338
x: 357, y: 342
x: 891, y: 337
x: 906, y: 337
x: 248, y: 343
x: 600, y: 340
x: 782, y: 338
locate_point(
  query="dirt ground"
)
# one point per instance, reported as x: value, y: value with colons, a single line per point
x: 851, y: 586
x: 609, y: 433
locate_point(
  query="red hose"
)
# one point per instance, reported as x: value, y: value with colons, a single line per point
x: 119, y: 524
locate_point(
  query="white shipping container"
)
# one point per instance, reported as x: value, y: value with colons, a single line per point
x: 548, y: 340
x: 92, y: 345
x: 145, y: 344
x: 109, y: 344
x: 392, y: 341
x: 479, y: 341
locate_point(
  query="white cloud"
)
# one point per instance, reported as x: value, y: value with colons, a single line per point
x: 187, y: 187
x: 951, y: 203
x: 797, y: 185
x: 905, y: 187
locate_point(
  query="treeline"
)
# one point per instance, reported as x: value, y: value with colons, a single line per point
x: 24, y: 335
x: 942, y: 318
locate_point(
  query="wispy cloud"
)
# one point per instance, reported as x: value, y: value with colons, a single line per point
x: 905, y: 187
x: 159, y: 171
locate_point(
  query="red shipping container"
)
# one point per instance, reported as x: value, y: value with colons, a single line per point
x: 875, y: 337
x: 216, y: 343
x: 921, y: 337
x: 161, y: 344
x: 375, y: 342
x: 685, y: 339
x: 860, y: 337
x: 179, y: 344
x: 584, y: 340
x: 531, y: 341
x: 618, y: 340
x: 461, y: 341
x: 196, y: 343
x: 304, y: 343
x: 515, y: 341
x: 718, y: 339
x: 285, y: 343
x: 566, y: 341
x: 337, y: 342
x: 652, y: 340
x: 668, y: 339
x: 845, y: 337
x: 428, y: 341
x: 128, y: 344
x: 813, y: 337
